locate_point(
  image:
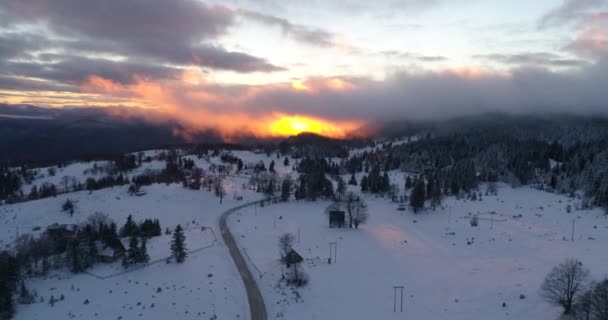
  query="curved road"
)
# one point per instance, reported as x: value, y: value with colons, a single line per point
x: 256, y: 301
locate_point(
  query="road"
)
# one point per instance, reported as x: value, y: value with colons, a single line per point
x: 256, y: 301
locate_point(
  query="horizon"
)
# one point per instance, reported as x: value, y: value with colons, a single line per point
x: 278, y: 68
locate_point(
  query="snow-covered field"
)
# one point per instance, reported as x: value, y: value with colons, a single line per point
x: 449, y: 269
x: 207, y: 286
x: 187, y: 291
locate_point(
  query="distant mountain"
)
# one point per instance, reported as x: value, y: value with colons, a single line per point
x: 32, y: 134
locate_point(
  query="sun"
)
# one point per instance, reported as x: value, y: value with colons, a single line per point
x: 284, y: 126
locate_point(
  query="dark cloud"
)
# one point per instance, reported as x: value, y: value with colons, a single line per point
x: 17, y: 44
x: 76, y: 69
x: 164, y: 31
x: 535, y: 59
x: 447, y: 94
x: 314, y: 36
x: 569, y: 11
x: 592, y: 38
x: 348, y: 6
x: 24, y: 84
x: 394, y: 54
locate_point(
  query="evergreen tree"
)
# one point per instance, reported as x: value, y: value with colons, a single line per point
x: 436, y: 195
x: 364, y: 186
x: 286, y: 162
x: 417, y: 196
x: 353, y: 180
x: 68, y: 206
x: 7, y: 305
x: 408, y: 183
x: 130, y: 228
x: 271, y: 167
x: 133, y: 253
x: 178, y: 245
x: 9, y: 278
x: 286, y: 188
x: 341, y: 188
x: 74, y: 255
x: 125, y: 261
x: 91, y: 252
x: 143, y: 256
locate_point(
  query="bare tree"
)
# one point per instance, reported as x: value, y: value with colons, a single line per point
x: 285, y: 243
x: 65, y: 181
x: 98, y: 218
x: 565, y: 283
x: 599, y: 301
x: 218, y: 188
x: 356, y: 209
x: 491, y: 188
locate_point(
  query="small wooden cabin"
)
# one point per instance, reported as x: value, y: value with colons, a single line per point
x: 337, y: 218
x: 293, y: 257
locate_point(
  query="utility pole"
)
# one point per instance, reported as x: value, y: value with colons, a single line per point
x: 395, y: 289
x: 449, y: 215
x: 573, y: 221
x: 333, y: 250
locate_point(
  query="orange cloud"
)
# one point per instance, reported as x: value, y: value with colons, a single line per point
x: 474, y: 73
x: 198, y: 108
x: 323, y: 84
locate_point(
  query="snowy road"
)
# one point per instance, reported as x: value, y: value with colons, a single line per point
x: 256, y: 301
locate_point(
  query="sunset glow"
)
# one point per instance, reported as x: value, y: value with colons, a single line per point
x: 293, y: 125
x: 276, y: 68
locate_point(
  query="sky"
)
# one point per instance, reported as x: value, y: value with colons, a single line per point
x: 279, y: 67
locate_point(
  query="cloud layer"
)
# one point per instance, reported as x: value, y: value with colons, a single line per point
x: 162, y: 56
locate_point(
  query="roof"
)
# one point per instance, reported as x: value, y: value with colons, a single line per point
x: 293, y: 257
x: 114, y: 246
x: 68, y: 227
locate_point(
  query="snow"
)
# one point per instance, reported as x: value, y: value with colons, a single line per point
x: 207, y: 284
x: 444, y: 277
x: 187, y: 292
x: 449, y: 269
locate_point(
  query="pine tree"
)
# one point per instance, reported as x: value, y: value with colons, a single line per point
x: 157, y: 229
x: 417, y: 196
x: 364, y: 184
x: 74, y: 256
x: 436, y: 195
x: 286, y: 162
x: 130, y: 228
x: 92, y: 251
x: 143, y: 254
x: 341, y: 188
x: 178, y: 245
x: 408, y: 183
x: 353, y: 180
x: 286, y: 188
x: 133, y: 251
x: 125, y: 261
x: 7, y: 305
x: 271, y: 167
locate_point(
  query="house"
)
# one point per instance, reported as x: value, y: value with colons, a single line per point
x: 62, y: 231
x: 337, y: 218
x: 59, y: 235
x: 292, y: 257
x: 110, y: 251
